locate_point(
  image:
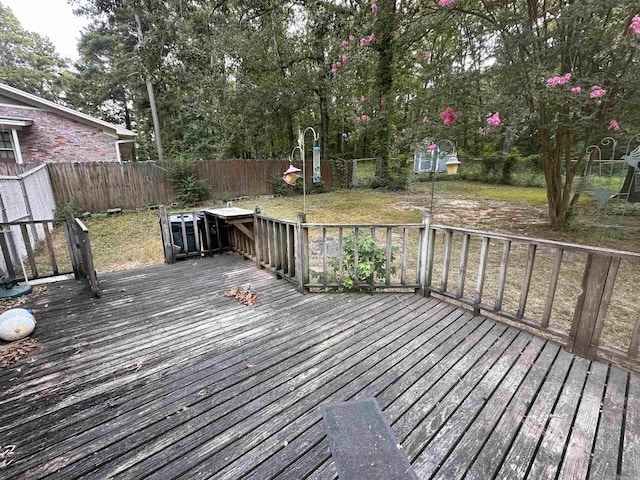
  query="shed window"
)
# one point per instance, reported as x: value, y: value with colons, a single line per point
x: 6, y: 146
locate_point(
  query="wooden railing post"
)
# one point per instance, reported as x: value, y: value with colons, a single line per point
x: 88, y: 268
x: 302, y: 249
x: 165, y: 228
x: 73, y: 244
x: 425, y: 260
x: 257, y: 235
x: 591, y: 308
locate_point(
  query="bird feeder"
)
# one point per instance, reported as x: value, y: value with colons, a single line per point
x: 452, y: 165
x: 291, y: 175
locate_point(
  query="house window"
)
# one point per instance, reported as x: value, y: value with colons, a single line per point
x: 6, y: 147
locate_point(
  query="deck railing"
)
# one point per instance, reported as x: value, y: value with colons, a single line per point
x: 276, y: 244
x: 40, y: 249
x: 13, y: 246
x: 582, y: 278
x: 360, y: 257
x: 563, y: 290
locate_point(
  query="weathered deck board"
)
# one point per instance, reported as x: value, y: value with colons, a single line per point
x: 164, y: 377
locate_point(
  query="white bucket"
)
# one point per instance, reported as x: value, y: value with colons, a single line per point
x: 16, y: 323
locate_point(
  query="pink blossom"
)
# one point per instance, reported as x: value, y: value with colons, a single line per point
x: 334, y: 70
x: 427, y: 56
x: 374, y: 7
x: 351, y: 38
x: 445, y: 3
x: 344, y: 59
x: 635, y: 24
x: 372, y: 37
x: 338, y: 64
x: 345, y: 135
x: 432, y: 147
x: 345, y: 44
x: 364, y: 42
x: 480, y: 130
x: 597, y: 92
x: 613, y: 124
x: 363, y: 98
x: 576, y: 90
x: 365, y: 118
x: 553, y: 81
x: 383, y: 100
x: 448, y: 116
x: 494, y: 119
x: 425, y: 120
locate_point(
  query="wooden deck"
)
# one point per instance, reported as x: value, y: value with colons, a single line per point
x: 164, y: 377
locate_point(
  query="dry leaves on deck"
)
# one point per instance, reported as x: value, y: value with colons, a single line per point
x: 243, y: 294
x: 14, y: 351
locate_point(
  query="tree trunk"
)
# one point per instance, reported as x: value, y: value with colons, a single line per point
x: 324, y: 125
x: 384, y: 28
x: 152, y: 99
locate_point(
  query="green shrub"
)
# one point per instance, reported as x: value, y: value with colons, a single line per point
x: 372, y: 262
x: 61, y: 210
x: 190, y: 190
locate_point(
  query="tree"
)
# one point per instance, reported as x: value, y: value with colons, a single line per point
x: 565, y: 68
x: 27, y: 60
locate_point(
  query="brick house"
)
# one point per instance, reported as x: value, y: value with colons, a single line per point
x: 35, y: 130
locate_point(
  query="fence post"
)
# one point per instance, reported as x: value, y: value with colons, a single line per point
x: 302, y: 256
x: 165, y: 229
x: 73, y: 243
x: 257, y: 238
x: 591, y: 308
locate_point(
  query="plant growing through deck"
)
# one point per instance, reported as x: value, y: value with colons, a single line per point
x: 372, y: 262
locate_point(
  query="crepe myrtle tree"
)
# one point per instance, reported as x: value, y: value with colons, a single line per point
x: 569, y: 66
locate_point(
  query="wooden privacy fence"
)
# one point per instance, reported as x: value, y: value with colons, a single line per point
x: 99, y: 186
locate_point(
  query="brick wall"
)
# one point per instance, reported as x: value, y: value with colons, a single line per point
x: 54, y: 138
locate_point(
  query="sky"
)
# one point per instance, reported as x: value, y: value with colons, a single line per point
x: 50, y: 18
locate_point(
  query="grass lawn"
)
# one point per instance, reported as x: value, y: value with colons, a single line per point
x: 133, y: 239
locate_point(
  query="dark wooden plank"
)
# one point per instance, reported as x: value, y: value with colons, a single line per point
x: 498, y: 419
x: 387, y: 380
x: 450, y: 431
x: 609, y: 436
x: 444, y: 394
x: 427, y: 335
x: 631, y: 443
x: 248, y: 414
x: 549, y: 454
x: 578, y: 455
x: 522, y: 425
x: 362, y: 443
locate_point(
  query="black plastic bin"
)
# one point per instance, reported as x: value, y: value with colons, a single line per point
x: 176, y: 232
